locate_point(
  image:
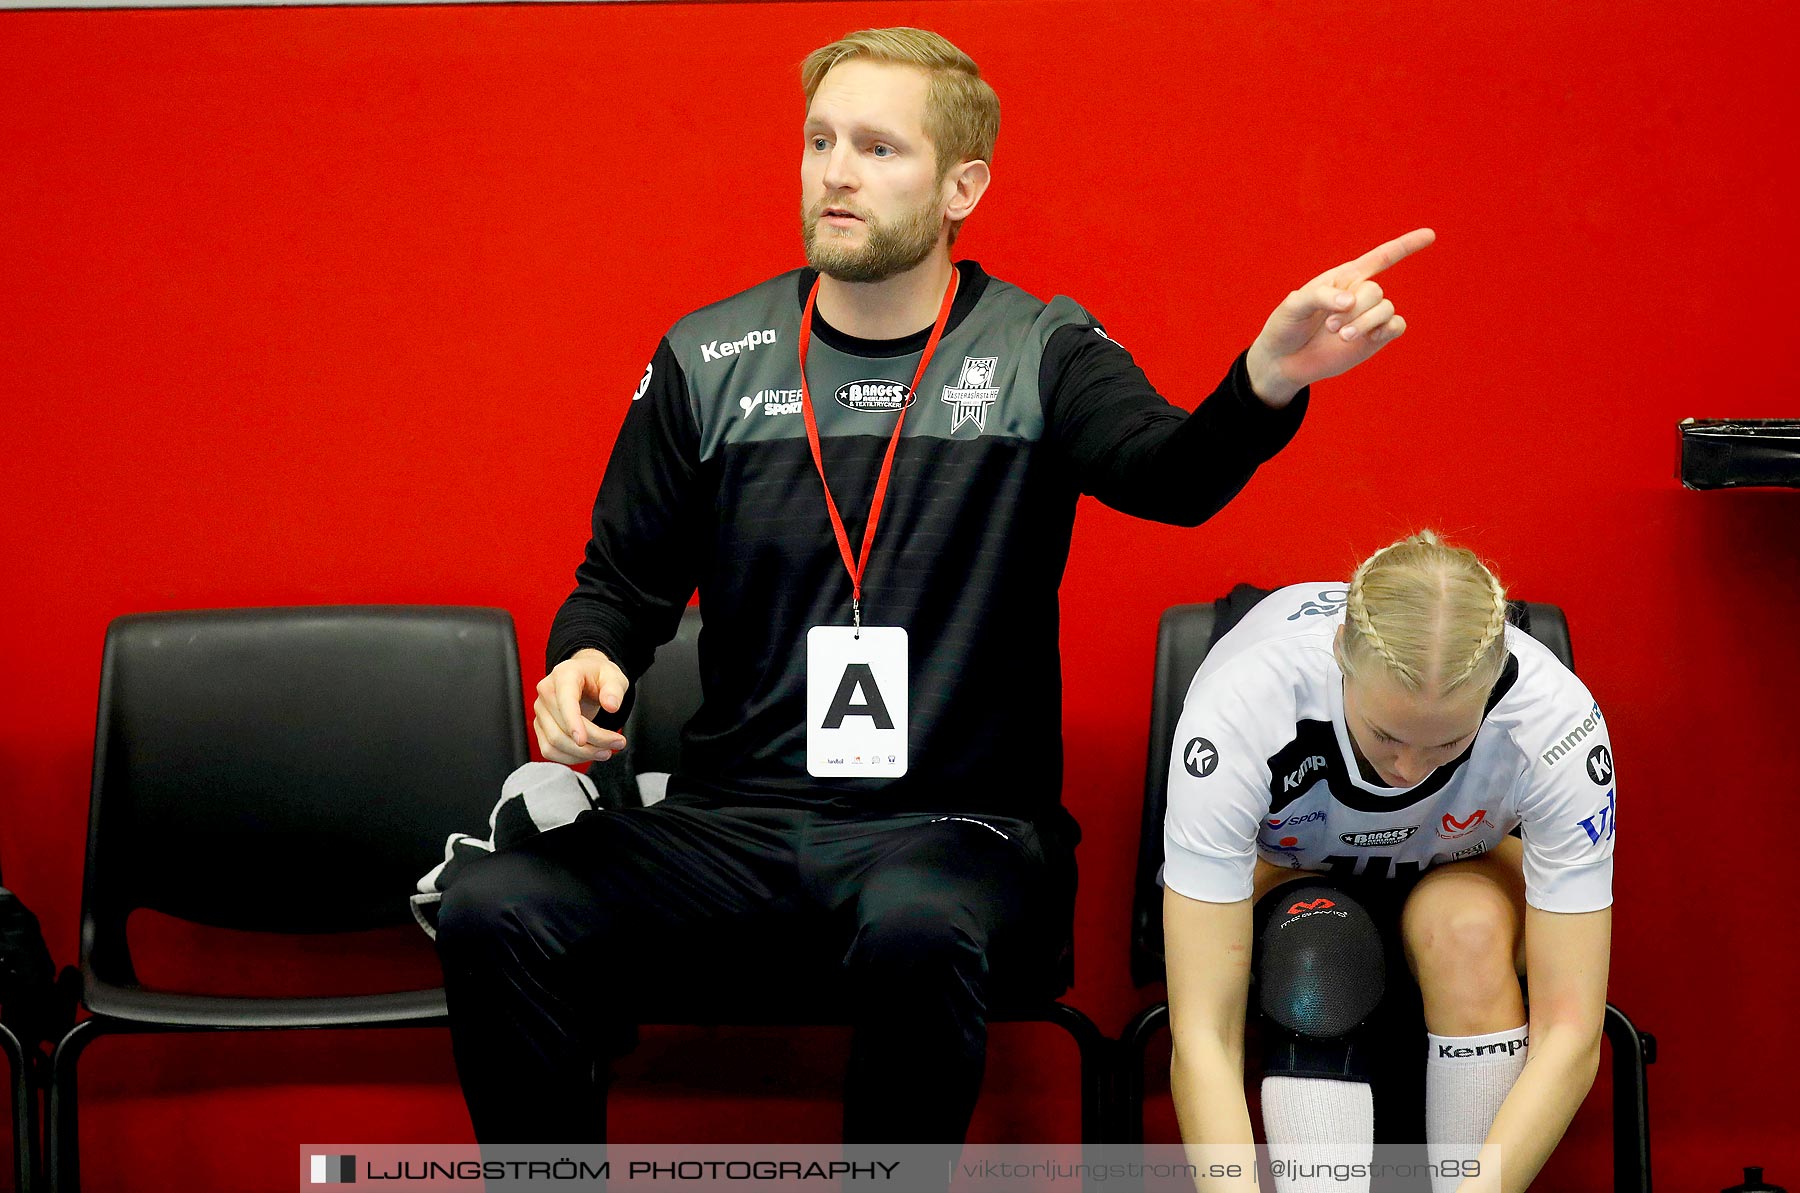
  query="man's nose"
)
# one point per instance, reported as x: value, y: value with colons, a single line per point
x: 840, y: 168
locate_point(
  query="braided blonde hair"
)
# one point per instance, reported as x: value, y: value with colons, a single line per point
x: 1432, y: 615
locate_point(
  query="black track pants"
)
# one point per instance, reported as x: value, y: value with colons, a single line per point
x: 554, y: 950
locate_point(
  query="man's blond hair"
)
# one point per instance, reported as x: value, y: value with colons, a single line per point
x: 962, y: 113
x: 1430, y: 615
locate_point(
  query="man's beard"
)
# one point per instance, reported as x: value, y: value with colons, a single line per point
x: 889, y: 248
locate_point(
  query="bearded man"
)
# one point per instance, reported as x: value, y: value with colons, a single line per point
x: 869, y: 470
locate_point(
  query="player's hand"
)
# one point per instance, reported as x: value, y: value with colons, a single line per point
x: 1331, y: 324
x: 568, y: 697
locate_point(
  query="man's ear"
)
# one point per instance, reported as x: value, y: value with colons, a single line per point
x: 963, y: 187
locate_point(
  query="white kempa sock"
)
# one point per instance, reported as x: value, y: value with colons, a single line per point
x: 1311, y: 1124
x: 1466, y: 1079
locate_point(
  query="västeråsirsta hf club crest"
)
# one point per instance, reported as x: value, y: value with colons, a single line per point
x: 973, y: 393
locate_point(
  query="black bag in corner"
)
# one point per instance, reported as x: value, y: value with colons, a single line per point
x: 30, y: 1002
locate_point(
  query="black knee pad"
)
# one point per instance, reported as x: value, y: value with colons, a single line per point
x: 1321, y: 971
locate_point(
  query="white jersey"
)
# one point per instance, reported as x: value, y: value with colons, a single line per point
x: 1262, y: 764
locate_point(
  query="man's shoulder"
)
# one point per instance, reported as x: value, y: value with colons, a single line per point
x: 771, y: 306
x: 1018, y: 302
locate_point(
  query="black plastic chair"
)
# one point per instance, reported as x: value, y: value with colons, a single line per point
x: 237, y: 750
x: 667, y: 696
x: 1183, y: 637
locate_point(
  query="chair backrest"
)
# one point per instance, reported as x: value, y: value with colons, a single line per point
x: 290, y: 770
x: 1183, y: 637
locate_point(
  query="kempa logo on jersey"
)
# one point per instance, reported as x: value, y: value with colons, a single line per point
x: 719, y: 349
x: 1316, y: 762
x: 1561, y: 748
x: 1386, y: 836
x: 875, y: 396
x: 771, y: 401
x: 973, y: 393
x: 1599, y: 766
x: 1450, y: 828
x: 1200, y: 757
x: 1510, y: 1047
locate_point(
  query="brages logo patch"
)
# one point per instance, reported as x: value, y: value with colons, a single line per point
x: 875, y: 396
x: 1375, y: 840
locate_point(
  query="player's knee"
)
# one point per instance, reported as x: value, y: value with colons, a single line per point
x: 493, y: 909
x: 1466, y: 942
x: 916, y: 941
x: 1321, y: 972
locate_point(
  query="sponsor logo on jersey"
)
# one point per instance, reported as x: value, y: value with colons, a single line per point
x: 1599, y: 826
x: 771, y: 402
x: 1510, y: 1047
x: 973, y: 393
x: 1599, y: 765
x: 875, y: 396
x: 1102, y: 334
x: 1475, y: 850
x: 751, y: 341
x: 1323, y: 604
x: 1319, y: 904
x: 1450, y: 828
x: 1316, y: 762
x: 1297, y: 818
x: 1560, y: 748
x: 1200, y: 757
x: 1378, y: 838
x: 644, y: 385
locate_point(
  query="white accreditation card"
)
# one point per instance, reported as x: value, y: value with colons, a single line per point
x: 856, y: 701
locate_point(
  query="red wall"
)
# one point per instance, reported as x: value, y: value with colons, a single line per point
x: 329, y: 305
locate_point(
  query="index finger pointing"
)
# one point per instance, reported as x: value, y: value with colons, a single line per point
x: 1388, y: 255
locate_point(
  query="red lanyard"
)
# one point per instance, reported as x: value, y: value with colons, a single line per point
x: 857, y: 567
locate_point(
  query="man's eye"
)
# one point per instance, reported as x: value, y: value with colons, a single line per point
x: 884, y: 151
x: 818, y: 143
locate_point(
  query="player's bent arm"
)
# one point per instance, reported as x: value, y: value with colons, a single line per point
x: 1207, y: 946
x: 1566, y: 957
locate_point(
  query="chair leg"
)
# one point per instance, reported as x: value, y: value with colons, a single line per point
x: 62, y: 1147
x: 1632, y: 1051
x: 1096, y: 1069
x: 1133, y: 1045
x: 24, y: 1111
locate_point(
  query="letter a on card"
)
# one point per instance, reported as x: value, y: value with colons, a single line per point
x: 856, y: 702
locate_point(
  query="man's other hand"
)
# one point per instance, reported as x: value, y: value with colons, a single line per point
x: 568, y: 697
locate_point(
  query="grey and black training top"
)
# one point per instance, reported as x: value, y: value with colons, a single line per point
x: 1026, y: 406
